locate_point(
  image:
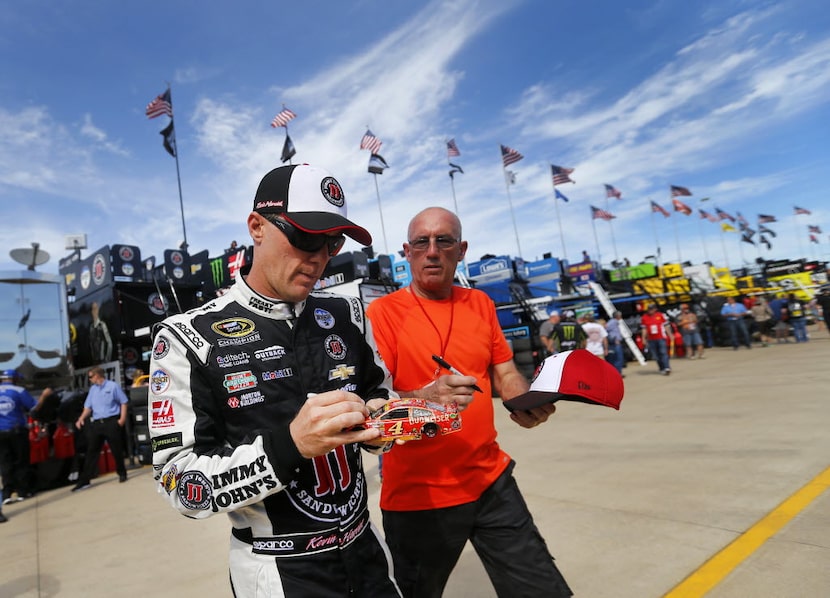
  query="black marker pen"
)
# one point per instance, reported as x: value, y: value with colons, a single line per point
x: 444, y: 364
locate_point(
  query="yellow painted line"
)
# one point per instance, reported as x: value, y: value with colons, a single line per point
x: 713, y: 571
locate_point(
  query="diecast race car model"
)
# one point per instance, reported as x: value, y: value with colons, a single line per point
x: 411, y: 419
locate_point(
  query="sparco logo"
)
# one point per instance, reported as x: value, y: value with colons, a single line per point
x: 274, y: 545
x: 190, y: 334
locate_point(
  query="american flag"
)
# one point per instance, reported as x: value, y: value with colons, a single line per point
x: 611, y: 191
x: 679, y: 206
x: 813, y: 239
x: 801, y: 210
x: 452, y: 149
x: 723, y: 215
x: 160, y: 105
x: 741, y: 220
x: 283, y: 118
x: 509, y: 156
x: 656, y: 207
x: 766, y: 218
x: 370, y: 142
x: 707, y: 215
x: 560, y: 174
x: 377, y: 164
x: 679, y: 191
x: 814, y: 229
x: 601, y: 214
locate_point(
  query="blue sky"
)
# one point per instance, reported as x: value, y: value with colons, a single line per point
x: 728, y: 98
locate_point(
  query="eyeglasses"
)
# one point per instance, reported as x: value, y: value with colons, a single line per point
x: 442, y: 242
x: 308, y: 242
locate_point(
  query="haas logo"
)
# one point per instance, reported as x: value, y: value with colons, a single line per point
x: 162, y: 414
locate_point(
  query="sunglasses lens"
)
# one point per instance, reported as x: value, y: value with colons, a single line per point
x: 309, y: 242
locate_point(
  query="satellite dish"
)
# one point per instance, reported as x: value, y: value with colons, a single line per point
x: 30, y: 257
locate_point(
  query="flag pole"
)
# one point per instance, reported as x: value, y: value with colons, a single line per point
x: 611, y: 225
x: 676, y: 237
x: 179, y: 181
x: 290, y: 158
x: 654, y: 229
x: 512, y: 215
x: 596, y: 239
x: 380, y: 211
x: 559, y: 220
x: 702, y: 236
x: 452, y: 184
x: 723, y: 246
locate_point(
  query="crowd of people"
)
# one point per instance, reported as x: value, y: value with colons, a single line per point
x: 747, y: 321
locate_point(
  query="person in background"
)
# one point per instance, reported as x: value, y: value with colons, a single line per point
x: 690, y: 330
x: 616, y: 354
x: 440, y: 492
x: 779, y: 313
x: 762, y: 314
x: 546, y: 330
x: 734, y: 313
x: 15, y: 403
x: 797, y: 317
x: 655, y: 333
x: 597, y: 338
x: 104, y: 416
x: 568, y: 334
x: 823, y: 301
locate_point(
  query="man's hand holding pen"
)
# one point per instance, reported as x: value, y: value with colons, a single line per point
x: 454, y: 387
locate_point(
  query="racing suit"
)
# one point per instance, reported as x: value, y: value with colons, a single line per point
x: 226, y: 379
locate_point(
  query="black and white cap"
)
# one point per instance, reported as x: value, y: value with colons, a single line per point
x: 310, y: 198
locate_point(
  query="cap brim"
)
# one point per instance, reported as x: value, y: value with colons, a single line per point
x: 326, y: 222
x: 536, y: 398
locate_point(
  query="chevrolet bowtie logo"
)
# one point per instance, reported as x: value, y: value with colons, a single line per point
x: 341, y: 372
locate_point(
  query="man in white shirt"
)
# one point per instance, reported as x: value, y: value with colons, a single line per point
x: 597, y: 336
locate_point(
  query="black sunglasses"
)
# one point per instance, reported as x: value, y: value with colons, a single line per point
x: 309, y: 242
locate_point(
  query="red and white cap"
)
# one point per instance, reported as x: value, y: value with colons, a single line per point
x: 576, y: 375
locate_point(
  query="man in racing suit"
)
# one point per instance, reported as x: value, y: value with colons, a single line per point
x: 257, y: 400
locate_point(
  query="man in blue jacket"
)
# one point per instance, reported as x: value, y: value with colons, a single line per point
x: 15, y: 401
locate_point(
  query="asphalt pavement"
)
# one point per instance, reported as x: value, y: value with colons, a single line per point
x: 711, y: 481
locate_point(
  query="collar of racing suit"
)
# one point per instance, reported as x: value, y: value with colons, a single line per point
x: 266, y: 306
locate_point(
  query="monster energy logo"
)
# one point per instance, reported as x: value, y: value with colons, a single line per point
x: 217, y: 270
x: 569, y: 332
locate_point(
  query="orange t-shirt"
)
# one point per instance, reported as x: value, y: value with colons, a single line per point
x: 454, y: 469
